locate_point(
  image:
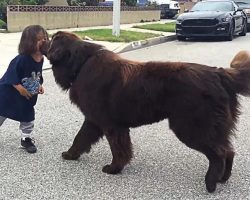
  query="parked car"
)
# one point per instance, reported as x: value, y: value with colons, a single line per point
x: 109, y: 3
x: 105, y: 3
x: 169, y: 9
x: 212, y: 18
x: 245, y: 5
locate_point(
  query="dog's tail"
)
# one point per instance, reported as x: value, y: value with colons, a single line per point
x: 239, y: 73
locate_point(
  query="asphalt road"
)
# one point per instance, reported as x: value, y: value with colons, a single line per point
x: 162, y: 167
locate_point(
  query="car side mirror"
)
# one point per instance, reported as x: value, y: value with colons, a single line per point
x: 239, y: 9
x: 186, y: 10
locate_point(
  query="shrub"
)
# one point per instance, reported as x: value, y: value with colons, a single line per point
x: 2, y: 24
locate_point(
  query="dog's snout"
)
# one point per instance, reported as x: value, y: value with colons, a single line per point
x: 48, y: 49
x: 44, y: 47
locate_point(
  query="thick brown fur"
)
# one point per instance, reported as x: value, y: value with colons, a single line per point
x: 115, y: 94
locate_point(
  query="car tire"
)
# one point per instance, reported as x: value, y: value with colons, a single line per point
x: 181, y: 38
x: 230, y: 37
x: 244, y: 31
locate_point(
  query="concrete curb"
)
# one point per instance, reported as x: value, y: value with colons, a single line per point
x: 144, y: 43
x: 135, y: 45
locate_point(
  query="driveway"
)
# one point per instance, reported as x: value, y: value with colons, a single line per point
x: 162, y: 167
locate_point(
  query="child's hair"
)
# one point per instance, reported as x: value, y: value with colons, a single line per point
x: 29, y: 39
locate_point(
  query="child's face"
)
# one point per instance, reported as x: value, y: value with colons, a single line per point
x: 42, y: 43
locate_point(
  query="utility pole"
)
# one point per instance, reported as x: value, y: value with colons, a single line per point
x: 116, y: 17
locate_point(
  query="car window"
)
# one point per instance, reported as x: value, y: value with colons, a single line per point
x: 213, y: 6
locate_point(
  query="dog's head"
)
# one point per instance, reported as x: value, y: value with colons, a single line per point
x: 60, y: 55
x: 60, y: 47
x: 68, y: 53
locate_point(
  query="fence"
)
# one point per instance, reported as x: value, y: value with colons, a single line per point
x: 55, y: 17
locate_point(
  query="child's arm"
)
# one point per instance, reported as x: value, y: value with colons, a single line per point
x: 41, y: 89
x: 22, y: 91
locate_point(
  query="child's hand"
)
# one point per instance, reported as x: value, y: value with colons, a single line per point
x: 41, y: 89
x: 23, y: 91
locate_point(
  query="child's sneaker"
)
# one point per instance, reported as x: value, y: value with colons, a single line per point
x: 28, y: 144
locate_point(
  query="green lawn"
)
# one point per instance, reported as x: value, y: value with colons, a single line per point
x: 167, y: 27
x: 106, y: 35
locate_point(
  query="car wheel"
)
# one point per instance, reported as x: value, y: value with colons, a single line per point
x: 181, y: 38
x: 244, y: 30
x: 230, y: 37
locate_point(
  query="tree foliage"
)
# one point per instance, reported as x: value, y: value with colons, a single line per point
x: 83, y: 2
x: 5, y: 3
x: 95, y: 2
x: 22, y: 2
x: 130, y: 2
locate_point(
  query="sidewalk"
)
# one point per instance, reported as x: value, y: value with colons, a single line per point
x: 9, y: 42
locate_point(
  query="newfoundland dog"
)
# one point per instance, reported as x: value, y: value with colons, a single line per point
x: 115, y: 94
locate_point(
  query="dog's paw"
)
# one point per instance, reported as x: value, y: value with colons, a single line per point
x: 225, y: 177
x: 68, y: 156
x: 111, y: 169
x: 211, y: 187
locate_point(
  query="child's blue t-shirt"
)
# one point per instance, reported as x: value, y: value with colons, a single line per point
x: 23, y: 69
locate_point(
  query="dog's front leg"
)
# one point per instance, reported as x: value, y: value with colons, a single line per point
x: 121, y: 148
x: 87, y: 135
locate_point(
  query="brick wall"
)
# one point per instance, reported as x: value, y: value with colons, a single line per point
x: 54, y: 17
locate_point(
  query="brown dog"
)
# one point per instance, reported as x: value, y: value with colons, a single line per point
x: 115, y: 94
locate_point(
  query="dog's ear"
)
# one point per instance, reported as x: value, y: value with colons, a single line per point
x: 79, y: 55
x: 58, y: 51
x: 59, y: 56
